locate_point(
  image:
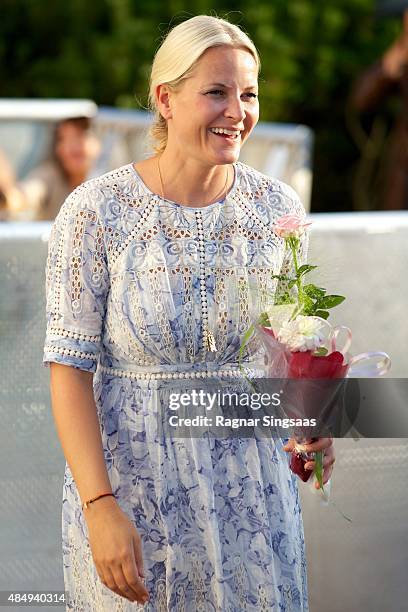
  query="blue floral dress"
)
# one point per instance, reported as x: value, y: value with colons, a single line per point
x: 134, y: 285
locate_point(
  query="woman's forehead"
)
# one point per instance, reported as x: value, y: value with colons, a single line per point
x: 225, y: 54
x: 223, y: 65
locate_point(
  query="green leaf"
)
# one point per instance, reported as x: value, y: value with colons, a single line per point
x: 330, y: 301
x: 318, y: 471
x: 322, y: 313
x: 313, y: 291
x: 285, y: 298
x: 264, y: 319
x: 308, y: 306
x: 320, y: 352
x: 305, y: 269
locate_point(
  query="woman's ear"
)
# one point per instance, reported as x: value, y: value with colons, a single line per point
x: 163, y: 97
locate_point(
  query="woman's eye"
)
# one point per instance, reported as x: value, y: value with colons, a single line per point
x: 219, y: 92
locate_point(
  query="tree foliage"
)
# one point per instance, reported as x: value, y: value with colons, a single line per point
x: 311, y: 50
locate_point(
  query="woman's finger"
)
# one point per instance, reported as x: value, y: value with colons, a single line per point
x: 327, y: 462
x: 137, y: 551
x: 310, y: 465
x: 110, y: 581
x: 290, y: 445
x: 101, y: 575
x: 318, y: 445
x: 133, y: 579
x: 124, y: 588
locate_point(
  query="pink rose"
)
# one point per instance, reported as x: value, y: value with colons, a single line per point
x: 290, y: 226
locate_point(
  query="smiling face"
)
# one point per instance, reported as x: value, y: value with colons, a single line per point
x: 214, y: 111
x: 76, y: 148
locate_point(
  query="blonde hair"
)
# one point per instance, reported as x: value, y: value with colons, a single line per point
x: 178, y: 55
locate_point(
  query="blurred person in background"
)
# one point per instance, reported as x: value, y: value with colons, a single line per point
x: 39, y: 196
x: 386, y: 77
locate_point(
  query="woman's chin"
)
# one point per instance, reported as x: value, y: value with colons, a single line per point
x: 227, y: 157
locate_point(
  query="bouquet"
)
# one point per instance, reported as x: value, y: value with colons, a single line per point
x: 300, y: 343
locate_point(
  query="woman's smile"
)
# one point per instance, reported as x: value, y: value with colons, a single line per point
x: 228, y: 135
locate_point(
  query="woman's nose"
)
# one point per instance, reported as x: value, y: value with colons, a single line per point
x: 235, y: 109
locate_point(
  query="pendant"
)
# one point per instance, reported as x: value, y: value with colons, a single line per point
x: 210, y: 342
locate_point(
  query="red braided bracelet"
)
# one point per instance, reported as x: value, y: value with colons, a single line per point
x: 86, y: 504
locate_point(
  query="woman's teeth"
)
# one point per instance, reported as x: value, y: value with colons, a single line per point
x: 225, y: 132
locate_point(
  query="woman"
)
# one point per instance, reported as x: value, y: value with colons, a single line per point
x: 147, y: 282
x: 40, y: 195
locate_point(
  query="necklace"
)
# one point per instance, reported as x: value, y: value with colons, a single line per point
x: 218, y: 194
x: 209, y: 339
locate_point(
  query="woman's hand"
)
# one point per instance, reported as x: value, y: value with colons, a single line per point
x: 116, y: 549
x: 322, y: 444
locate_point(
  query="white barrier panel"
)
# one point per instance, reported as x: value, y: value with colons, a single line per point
x: 357, y: 566
x: 362, y: 565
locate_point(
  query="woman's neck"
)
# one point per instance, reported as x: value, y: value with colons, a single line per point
x: 191, y: 183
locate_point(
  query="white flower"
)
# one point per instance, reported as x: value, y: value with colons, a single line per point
x: 304, y: 333
x: 280, y: 314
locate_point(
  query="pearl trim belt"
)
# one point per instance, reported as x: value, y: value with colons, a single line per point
x: 222, y: 373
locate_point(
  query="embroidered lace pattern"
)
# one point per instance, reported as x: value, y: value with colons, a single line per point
x: 87, y: 592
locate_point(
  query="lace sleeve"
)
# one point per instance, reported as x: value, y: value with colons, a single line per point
x: 77, y: 283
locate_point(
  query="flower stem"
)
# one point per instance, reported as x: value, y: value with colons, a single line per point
x: 319, y: 468
x: 293, y: 244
